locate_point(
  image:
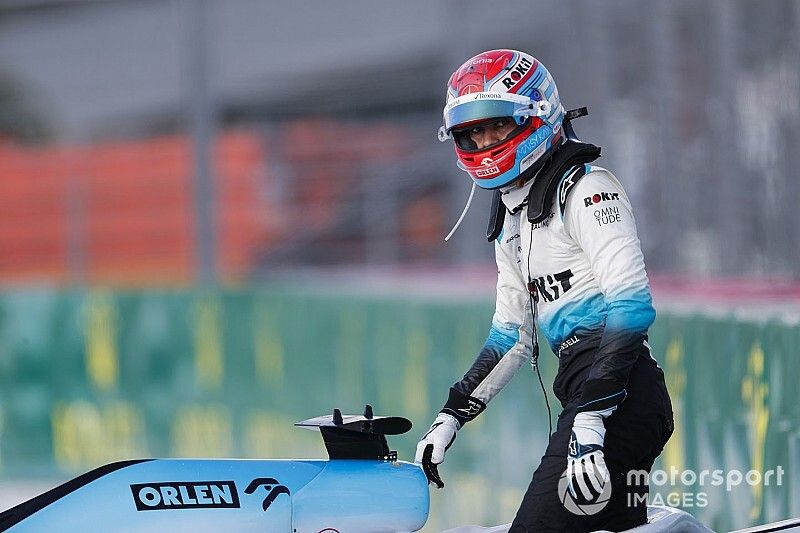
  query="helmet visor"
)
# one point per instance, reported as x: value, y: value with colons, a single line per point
x: 477, y: 107
x: 482, y: 106
x: 464, y: 139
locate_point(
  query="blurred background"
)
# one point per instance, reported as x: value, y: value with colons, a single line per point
x: 209, y: 208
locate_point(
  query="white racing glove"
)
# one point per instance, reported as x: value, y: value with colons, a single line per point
x: 430, y: 450
x: 586, y: 468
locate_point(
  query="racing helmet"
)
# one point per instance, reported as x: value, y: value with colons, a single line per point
x: 502, y: 85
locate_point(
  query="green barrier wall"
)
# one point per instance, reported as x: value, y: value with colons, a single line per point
x: 88, y: 378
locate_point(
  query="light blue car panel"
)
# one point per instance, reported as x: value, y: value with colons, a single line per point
x: 192, y: 495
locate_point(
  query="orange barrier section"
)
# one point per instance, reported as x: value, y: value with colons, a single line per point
x: 123, y: 212
x: 34, y: 201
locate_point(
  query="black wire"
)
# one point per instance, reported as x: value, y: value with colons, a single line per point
x: 546, y: 402
x: 535, y: 347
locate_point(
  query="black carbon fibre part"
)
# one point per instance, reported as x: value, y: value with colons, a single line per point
x: 15, y: 515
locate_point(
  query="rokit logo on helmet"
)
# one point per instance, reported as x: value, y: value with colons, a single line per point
x: 600, y: 197
x: 517, y: 72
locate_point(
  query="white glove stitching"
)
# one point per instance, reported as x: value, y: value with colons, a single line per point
x: 441, y: 434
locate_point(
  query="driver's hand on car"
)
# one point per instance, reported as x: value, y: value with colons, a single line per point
x: 431, y: 448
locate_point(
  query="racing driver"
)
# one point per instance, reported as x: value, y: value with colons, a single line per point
x: 569, y: 263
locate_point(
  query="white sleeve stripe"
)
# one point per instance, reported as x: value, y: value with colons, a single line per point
x: 502, y: 373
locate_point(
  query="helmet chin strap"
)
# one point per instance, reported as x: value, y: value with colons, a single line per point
x: 463, y: 213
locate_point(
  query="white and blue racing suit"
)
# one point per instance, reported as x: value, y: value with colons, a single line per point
x: 579, y: 273
x: 587, y: 268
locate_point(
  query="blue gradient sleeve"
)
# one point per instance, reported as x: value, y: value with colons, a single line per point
x: 508, y: 344
x: 499, y: 343
x: 633, y: 312
x: 468, y: 397
x: 502, y: 338
x: 626, y: 329
x: 599, y: 217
